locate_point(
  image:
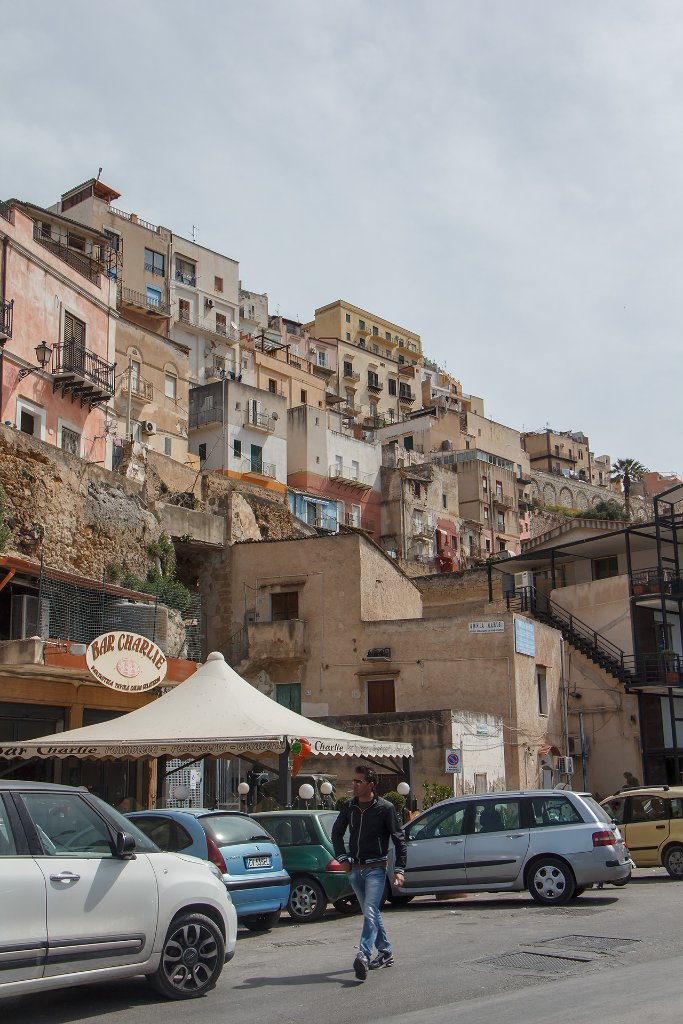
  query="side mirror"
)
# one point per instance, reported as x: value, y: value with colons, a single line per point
x: 125, y: 844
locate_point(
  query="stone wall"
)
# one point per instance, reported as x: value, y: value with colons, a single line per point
x: 551, y: 489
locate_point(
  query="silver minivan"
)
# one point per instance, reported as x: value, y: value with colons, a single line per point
x: 555, y: 843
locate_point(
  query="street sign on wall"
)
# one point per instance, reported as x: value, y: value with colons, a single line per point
x: 453, y: 762
x: 487, y: 626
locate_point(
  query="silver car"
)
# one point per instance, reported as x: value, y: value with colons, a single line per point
x: 554, y: 843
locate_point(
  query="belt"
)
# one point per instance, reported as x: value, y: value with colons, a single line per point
x: 369, y: 864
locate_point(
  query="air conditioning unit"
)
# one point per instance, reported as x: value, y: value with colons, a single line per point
x: 565, y: 765
x: 149, y: 427
x: 208, y: 304
x: 574, y: 745
x: 523, y: 579
x: 148, y: 620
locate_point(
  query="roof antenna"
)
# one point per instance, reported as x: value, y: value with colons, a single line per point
x: 194, y: 228
x: 98, y: 174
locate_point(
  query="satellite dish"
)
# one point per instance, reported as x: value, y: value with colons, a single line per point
x: 275, y: 416
x: 234, y: 325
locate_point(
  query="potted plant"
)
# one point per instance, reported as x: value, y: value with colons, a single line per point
x: 653, y: 583
x: 638, y: 587
x: 670, y: 660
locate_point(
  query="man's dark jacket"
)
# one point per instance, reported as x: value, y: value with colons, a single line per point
x: 370, y: 828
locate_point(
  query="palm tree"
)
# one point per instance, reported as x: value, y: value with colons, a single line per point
x: 624, y: 472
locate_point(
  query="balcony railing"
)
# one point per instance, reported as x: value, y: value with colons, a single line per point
x: 188, y: 279
x: 91, y: 267
x: 257, y: 467
x: 5, y: 211
x: 657, y: 581
x: 130, y: 297
x: 351, y: 375
x: 663, y: 668
x: 204, y: 417
x: 133, y: 219
x: 139, y: 388
x: 151, y: 269
x: 407, y: 397
x: 82, y: 374
x: 259, y: 421
x: 375, y: 389
x: 6, y: 317
x: 351, y: 475
x: 204, y: 325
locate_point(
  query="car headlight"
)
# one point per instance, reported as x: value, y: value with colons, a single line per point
x: 214, y: 870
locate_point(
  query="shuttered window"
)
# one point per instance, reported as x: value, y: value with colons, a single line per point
x: 74, y: 331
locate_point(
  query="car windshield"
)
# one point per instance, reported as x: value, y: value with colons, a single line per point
x: 601, y: 813
x: 327, y: 821
x: 143, y: 844
x: 229, y: 829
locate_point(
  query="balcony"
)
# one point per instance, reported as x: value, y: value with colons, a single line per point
x: 376, y: 388
x: 259, y: 470
x: 259, y: 421
x: 407, y: 370
x: 219, y: 371
x: 82, y: 374
x: 151, y: 269
x: 133, y: 218
x: 129, y: 297
x: 332, y: 399
x: 204, y: 417
x: 423, y: 532
x: 663, y: 668
x: 503, y: 500
x: 89, y: 264
x: 186, y: 278
x: 277, y: 641
x: 5, y: 211
x: 139, y: 388
x: 206, y: 327
x: 6, y: 317
x: 657, y: 581
x: 363, y: 332
x: 352, y: 476
x: 351, y: 375
x: 350, y: 409
x: 406, y: 397
x: 322, y: 370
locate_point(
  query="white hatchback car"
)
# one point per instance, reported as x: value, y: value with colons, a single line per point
x: 554, y: 843
x: 87, y: 897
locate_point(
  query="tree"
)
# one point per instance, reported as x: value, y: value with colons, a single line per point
x: 610, y: 509
x: 625, y: 471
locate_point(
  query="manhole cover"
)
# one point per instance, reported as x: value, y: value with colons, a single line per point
x: 300, y: 942
x: 590, y: 943
x: 539, y: 963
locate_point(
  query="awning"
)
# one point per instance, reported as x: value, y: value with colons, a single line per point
x: 549, y: 748
x: 215, y: 711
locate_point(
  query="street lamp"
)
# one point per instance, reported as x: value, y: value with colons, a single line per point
x: 243, y: 790
x: 306, y: 792
x: 43, y: 353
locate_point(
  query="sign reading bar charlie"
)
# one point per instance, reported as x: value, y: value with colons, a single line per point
x: 126, y: 661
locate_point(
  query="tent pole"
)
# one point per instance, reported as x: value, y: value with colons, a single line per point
x: 152, y: 784
x: 284, y: 791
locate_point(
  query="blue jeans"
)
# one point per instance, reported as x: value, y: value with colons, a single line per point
x: 368, y: 885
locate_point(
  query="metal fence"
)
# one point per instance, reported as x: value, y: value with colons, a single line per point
x: 79, y: 612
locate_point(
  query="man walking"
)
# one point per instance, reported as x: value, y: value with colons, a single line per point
x: 372, y: 822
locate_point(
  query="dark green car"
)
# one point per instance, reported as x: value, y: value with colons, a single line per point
x: 305, y: 841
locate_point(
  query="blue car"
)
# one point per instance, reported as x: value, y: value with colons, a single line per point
x: 244, y: 853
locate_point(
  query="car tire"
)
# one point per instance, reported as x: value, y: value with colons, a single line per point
x: 261, y: 922
x: 347, y: 904
x: 550, y: 881
x: 621, y: 881
x: 192, y: 958
x: 673, y: 861
x: 307, y: 901
x: 579, y: 891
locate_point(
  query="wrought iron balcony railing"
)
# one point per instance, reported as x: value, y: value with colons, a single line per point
x: 130, y: 297
x: 139, y: 388
x: 82, y: 374
x: 6, y: 317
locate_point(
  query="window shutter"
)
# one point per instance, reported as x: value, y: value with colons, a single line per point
x: 74, y: 330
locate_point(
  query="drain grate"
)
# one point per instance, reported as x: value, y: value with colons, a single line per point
x: 589, y: 943
x: 300, y: 942
x: 539, y: 963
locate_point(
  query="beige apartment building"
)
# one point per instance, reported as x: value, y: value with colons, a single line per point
x: 332, y: 627
x: 565, y: 453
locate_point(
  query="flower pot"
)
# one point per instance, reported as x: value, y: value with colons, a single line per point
x: 638, y: 588
x: 671, y: 677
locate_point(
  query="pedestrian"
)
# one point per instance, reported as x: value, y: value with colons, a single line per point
x: 371, y: 822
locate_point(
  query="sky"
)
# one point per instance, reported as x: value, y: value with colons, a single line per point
x: 501, y: 176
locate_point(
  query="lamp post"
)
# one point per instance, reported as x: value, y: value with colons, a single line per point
x: 243, y: 790
x: 306, y: 792
x: 43, y: 353
x: 325, y: 791
x: 404, y: 789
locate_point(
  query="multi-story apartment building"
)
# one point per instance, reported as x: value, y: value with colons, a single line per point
x: 566, y: 453
x: 57, y: 358
x: 601, y: 467
x: 378, y: 362
x: 333, y: 476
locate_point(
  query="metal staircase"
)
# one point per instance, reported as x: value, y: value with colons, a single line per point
x: 584, y: 638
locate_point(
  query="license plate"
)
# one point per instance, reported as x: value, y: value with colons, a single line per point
x: 258, y: 862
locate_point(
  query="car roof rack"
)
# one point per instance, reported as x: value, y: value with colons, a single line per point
x: 627, y: 789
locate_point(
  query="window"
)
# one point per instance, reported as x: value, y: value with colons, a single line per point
x: 7, y: 845
x: 487, y: 545
x: 70, y: 441
x: 348, y: 336
x: 153, y: 296
x: 184, y: 310
x: 604, y: 568
x: 202, y: 452
x: 167, y: 445
x: 185, y: 271
x: 484, y: 485
x: 114, y: 239
x: 256, y: 459
x: 448, y: 820
x: 74, y: 332
x: 322, y: 358
x: 170, y: 385
x: 375, y: 332
x: 361, y: 325
x: 615, y: 808
x: 381, y: 697
x: 221, y: 324
x: 354, y: 516
x: 499, y: 490
x: 355, y: 469
x: 387, y: 335
x: 348, y: 368
x: 647, y: 808
x: 154, y: 262
x: 553, y: 810
x: 272, y: 386
x: 135, y: 374
x: 373, y: 379
x: 408, y: 442
x: 167, y: 833
x: 289, y: 696
x: 27, y: 422
x: 486, y: 514
x: 444, y: 501
x: 304, y: 397
x: 496, y: 815
x: 284, y: 606
x: 392, y: 386
x: 500, y: 522
x: 218, y: 284
x: 236, y: 448
x: 67, y: 826
x: 542, y: 691
x: 348, y: 318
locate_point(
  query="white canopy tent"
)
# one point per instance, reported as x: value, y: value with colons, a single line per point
x: 214, y: 712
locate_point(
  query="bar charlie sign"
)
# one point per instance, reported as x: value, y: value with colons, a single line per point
x: 126, y: 661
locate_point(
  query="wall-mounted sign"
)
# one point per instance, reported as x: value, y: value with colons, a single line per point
x: 453, y: 762
x: 525, y: 638
x: 487, y: 626
x: 126, y: 661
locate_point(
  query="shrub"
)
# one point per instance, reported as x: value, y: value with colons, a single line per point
x: 397, y: 800
x: 5, y: 531
x: 435, y: 792
x: 340, y: 802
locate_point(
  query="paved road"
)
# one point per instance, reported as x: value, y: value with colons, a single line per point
x: 614, y: 954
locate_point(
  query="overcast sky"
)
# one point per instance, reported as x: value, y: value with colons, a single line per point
x: 504, y: 177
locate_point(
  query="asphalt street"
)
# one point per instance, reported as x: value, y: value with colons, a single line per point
x: 613, y: 954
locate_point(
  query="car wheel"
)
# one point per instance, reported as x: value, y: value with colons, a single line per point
x: 673, y: 861
x: 261, y: 922
x: 551, y: 882
x: 579, y: 891
x: 622, y: 881
x: 307, y: 901
x: 399, y: 897
x: 347, y: 904
x: 191, y: 960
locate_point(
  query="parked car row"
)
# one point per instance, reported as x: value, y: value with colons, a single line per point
x: 91, y: 895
